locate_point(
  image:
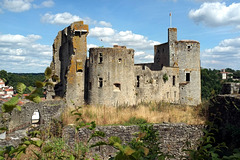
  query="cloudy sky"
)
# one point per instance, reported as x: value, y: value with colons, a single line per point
x: 28, y: 28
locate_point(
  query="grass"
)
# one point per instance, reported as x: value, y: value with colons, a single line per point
x: 151, y: 112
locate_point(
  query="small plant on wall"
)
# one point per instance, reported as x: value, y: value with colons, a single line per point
x: 165, y: 77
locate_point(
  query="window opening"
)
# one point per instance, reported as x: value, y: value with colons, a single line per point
x: 174, y: 79
x: 117, y: 87
x: 138, y: 81
x: 100, y: 82
x: 188, y: 77
x: 77, y: 33
x: 143, y: 67
x: 120, y: 60
x: 175, y: 94
x: 90, y: 86
x: 79, y: 66
x: 36, y: 118
x: 100, y: 58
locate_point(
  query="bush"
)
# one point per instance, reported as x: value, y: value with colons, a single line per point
x: 135, y: 121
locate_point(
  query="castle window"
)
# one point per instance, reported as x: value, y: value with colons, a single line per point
x: 143, y: 67
x: 175, y: 94
x: 77, y: 33
x: 116, y: 87
x: 138, y: 81
x: 188, y: 77
x: 36, y: 118
x: 100, y: 58
x: 174, y: 81
x: 79, y: 66
x: 120, y: 60
x: 189, y: 47
x: 90, y: 86
x: 100, y: 82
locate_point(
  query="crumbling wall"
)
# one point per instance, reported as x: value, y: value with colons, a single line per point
x: 69, y: 59
x: 230, y: 88
x: 47, y: 110
x: 151, y: 86
x: 173, y: 137
x: 188, y: 53
x: 111, y: 76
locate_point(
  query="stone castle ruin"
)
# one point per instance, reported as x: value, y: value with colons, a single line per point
x: 110, y: 77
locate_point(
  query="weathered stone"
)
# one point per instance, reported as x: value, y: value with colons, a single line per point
x: 109, y: 77
x: 173, y: 137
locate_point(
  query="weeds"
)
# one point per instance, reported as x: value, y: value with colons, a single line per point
x: 151, y: 112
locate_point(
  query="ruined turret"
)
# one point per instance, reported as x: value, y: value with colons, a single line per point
x: 69, y: 59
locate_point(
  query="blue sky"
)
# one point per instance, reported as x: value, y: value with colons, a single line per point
x: 28, y: 28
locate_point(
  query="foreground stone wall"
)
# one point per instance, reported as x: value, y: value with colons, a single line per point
x: 173, y: 137
x: 47, y: 110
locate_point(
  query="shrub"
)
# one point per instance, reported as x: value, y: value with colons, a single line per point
x: 135, y: 121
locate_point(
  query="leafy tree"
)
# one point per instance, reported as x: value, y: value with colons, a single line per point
x: 211, y: 82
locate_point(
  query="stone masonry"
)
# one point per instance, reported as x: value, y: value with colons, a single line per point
x: 110, y: 77
x: 173, y: 138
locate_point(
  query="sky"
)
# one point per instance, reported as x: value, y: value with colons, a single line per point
x: 29, y: 27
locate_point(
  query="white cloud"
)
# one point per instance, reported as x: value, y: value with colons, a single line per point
x: 106, y: 24
x: 23, y: 5
x: 20, y: 53
x: 101, y: 32
x: 225, y: 55
x: 91, y: 46
x: 217, y: 14
x: 47, y: 3
x: 139, y: 53
x: 67, y: 18
x: 17, y: 5
x: 124, y: 38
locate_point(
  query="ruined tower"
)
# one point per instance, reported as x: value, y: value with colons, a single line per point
x: 69, y: 59
x: 184, y: 54
x: 111, y: 76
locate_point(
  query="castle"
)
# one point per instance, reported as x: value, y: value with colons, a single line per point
x: 110, y: 77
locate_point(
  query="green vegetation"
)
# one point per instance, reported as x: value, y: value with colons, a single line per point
x: 211, y: 81
x: 165, y: 77
x: 29, y: 79
x: 136, y: 121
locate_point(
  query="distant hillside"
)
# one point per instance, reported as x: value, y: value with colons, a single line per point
x: 29, y: 79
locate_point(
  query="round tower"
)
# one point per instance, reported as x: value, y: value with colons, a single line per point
x: 111, y: 76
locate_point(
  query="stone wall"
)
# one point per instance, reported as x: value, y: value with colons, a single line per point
x: 47, y: 110
x: 150, y: 85
x: 230, y: 88
x: 69, y: 59
x: 111, y: 76
x: 173, y: 137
